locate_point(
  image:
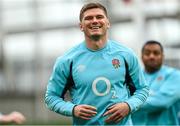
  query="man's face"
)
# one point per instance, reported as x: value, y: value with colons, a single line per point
x: 152, y: 57
x: 94, y: 23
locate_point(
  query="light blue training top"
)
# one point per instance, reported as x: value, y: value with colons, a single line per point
x: 98, y: 81
x: 161, y: 106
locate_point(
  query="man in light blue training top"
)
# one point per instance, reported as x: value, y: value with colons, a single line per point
x: 95, y: 72
x: 160, y: 107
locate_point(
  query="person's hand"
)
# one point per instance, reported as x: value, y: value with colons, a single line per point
x: 84, y: 111
x: 14, y: 117
x: 117, y: 112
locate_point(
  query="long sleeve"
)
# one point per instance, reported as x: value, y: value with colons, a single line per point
x: 142, y: 89
x: 56, y: 87
x: 166, y: 96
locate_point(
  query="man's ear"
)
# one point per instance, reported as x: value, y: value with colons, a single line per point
x: 108, y: 24
x: 163, y: 56
x: 81, y: 27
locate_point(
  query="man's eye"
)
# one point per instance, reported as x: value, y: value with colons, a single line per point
x: 100, y: 17
x: 88, y: 18
x: 156, y: 53
x: 147, y: 53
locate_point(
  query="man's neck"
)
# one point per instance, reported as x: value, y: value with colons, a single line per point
x: 96, y: 44
x: 151, y: 71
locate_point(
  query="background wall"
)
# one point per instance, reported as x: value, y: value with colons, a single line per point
x: 33, y: 33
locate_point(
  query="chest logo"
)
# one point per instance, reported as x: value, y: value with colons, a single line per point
x: 116, y: 63
x: 81, y: 68
x: 159, y: 78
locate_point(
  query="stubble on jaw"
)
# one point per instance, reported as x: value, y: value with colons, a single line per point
x: 95, y: 37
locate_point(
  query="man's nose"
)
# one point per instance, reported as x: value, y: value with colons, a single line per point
x: 151, y: 55
x: 95, y: 19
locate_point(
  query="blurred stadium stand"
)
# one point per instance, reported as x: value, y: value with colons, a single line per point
x: 33, y: 33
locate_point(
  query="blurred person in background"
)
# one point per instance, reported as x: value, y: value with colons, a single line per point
x: 178, y: 109
x: 164, y: 82
x: 95, y: 74
x: 12, y: 118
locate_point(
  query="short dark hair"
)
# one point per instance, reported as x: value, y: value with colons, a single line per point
x: 91, y: 6
x: 152, y: 42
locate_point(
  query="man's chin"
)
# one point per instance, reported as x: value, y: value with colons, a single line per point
x: 96, y: 37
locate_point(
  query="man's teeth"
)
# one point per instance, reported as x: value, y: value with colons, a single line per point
x: 95, y: 27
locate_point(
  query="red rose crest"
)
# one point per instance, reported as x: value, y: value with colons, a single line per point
x: 159, y: 78
x: 116, y: 63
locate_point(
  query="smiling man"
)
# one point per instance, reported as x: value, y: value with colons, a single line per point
x: 160, y: 107
x: 95, y: 72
